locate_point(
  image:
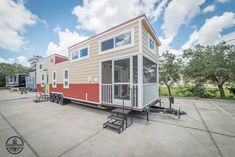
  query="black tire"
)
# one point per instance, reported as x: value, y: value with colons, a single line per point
x: 51, y: 98
x: 57, y: 99
x: 61, y: 99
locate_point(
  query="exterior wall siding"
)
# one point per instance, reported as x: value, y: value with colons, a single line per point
x: 145, y: 45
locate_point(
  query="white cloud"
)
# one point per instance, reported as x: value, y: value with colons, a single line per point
x: 99, y: 15
x: 66, y: 39
x: 14, y: 17
x: 178, y: 13
x: 23, y: 61
x: 211, y: 30
x: 228, y: 38
x: 19, y: 60
x: 209, y: 8
x: 223, y: 1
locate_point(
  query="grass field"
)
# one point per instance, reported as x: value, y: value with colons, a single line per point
x: 164, y: 92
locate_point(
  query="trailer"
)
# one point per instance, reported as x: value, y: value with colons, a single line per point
x: 30, y: 81
x: 16, y: 80
x: 115, y: 68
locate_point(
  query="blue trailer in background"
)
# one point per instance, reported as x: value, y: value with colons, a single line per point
x: 31, y: 81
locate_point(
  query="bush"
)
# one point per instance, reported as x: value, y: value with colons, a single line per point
x: 196, y: 91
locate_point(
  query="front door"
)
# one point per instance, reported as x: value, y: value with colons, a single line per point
x: 121, y: 85
x: 47, y: 85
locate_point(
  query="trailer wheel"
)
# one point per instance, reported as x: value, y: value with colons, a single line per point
x: 54, y: 97
x: 57, y: 98
x: 51, y: 98
x: 61, y: 99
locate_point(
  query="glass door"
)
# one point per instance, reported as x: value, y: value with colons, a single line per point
x: 121, y: 81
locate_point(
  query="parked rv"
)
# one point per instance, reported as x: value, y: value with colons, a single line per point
x: 17, y: 80
x: 118, y: 65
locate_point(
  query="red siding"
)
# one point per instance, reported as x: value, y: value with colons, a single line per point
x: 40, y: 89
x: 59, y: 59
x: 77, y: 91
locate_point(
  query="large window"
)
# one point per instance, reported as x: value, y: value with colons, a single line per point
x: 117, y: 41
x: 151, y: 44
x: 54, y: 79
x: 123, y: 39
x: 81, y: 53
x: 149, y: 71
x: 66, y: 79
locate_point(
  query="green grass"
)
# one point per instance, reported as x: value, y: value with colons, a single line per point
x: 164, y: 92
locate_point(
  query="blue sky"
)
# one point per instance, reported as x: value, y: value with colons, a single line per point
x: 45, y: 27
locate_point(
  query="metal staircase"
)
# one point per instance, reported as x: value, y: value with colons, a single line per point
x: 119, y: 118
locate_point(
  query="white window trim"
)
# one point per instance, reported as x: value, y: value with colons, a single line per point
x: 65, y: 79
x: 53, y: 80
x: 132, y: 44
x: 42, y: 81
x: 79, y: 56
x: 151, y: 50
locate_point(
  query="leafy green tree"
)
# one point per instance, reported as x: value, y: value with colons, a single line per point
x: 170, y: 70
x: 212, y: 64
x: 33, y: 60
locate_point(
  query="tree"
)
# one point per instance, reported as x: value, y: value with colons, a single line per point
x: 214, y: 64
x: 33, y: 60
x: 170, y: 70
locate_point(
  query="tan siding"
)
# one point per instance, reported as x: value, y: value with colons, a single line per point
x: 145, y: 44
x: 81, y: 70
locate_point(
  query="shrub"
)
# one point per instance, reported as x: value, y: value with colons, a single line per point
x: 196, y: 91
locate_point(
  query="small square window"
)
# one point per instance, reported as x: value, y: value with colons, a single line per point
x: 84, y: 52
x: 108, y: 44
x: 74, y: 55
x: 151, y: 44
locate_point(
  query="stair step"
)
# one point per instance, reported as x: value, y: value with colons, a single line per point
x: 117, y: 118
x: 112, y: 125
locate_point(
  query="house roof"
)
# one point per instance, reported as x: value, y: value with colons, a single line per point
x: 126, y: 22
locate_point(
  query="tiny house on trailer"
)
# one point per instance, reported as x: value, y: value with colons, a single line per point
x: 17, y: 80
x: 119, y: 63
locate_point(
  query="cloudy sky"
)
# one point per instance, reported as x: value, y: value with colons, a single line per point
x: 45, y: 27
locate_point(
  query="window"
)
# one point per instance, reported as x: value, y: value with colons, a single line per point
x: 74, y: 55
x: 42, y: 80
x: 66, y: 78
x: 151, y: 44
x: 106, y: 45
x: 83, y: 52
x: 149, y: 71
x: 117, y: 42
x: 54, y: 79
x: 123, y: 39
x: 41, y: 66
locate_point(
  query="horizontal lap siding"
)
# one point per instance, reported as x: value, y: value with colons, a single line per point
x: 145, y: 45
x: 81, y: 70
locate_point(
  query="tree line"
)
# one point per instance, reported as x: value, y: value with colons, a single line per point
x: 7, y: 69
x: 212, y: 64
